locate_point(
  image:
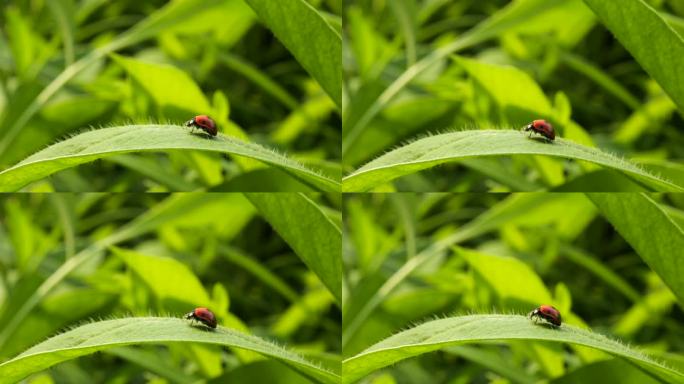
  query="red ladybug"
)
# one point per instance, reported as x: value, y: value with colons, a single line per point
x: 543, y: 128
x: 204, y: 123
x: 546, y: 313
x: 203, y: 315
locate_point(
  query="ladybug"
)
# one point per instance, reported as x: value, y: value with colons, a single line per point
x: 202, y: 315
x: 546, y: 313
x: 543, y: 128
x: 204, y: 123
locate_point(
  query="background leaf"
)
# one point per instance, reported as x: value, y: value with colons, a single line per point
x: 660, y: 246
x: 310, y: 233
x: 660, y: 51
x: 315, y: 44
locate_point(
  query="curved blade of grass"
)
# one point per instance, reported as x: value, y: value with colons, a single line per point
x: 660, y: 51
x: 172, y: 16
x: 516, y: 15
x: 438, y: 334
x: 310, y: 233
x: 94, y: 337
x: 660, y: 247
x: 93, y: 145
x: 312, y: 41
x: 434, y: 150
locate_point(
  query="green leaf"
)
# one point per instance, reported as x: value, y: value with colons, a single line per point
x: 98, y: 336
x: 515, y: 283
x: 93, y: 145
x: 443, y: 333
x: 172, y: 89
x: 660, y: 246
x: 649, y: 38
x: 312, y: 41
x: 171, y: 281
x: 438, y: 149
x: 309, y: 231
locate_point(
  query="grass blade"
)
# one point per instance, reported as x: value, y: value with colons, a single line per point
x: 438, y: 334
x: 434, y: 150
x: 93, y: 145
x: 660, y: 51
x: 312, y: 41
x: 660, y: 247
x: 94, y: 337
x: 310, y: 233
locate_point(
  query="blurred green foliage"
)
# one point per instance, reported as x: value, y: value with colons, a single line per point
x: 67, y: 65
x: 86, y: 257
x: 414, y: 68
x: 411, y: 258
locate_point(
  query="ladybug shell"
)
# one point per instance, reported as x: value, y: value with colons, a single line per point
x: 204, y: 123
x: 543, y: 128
x: 548, y: 313
x: 204, y: 316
